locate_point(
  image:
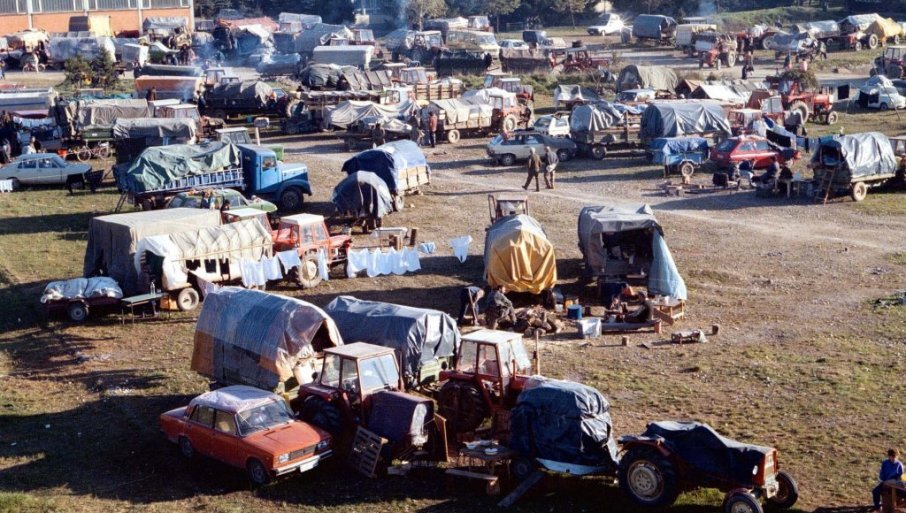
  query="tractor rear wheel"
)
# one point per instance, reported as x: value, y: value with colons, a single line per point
x: 316, y: 410
x: 802, y: 108
x: 648, y: 478
x: 894, y: 71
x: 307, y: 275
x: 508, y: 124
x: 462, y: 405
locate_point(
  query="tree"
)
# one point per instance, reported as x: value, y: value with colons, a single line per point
x: 501, y: 7
x: 570, y: 6
x: 103, y: 71
x: 416, y: 11
x: 77, y: 71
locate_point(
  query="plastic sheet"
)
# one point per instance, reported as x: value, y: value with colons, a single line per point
x: 348, y: 112
x: 159, y: 165
x: 235, y: 399
x: 154, y: 128
x: 104, y: 113
x: 568, y: 94
x: 392, y: 162
x: 419, y: 335
x: 565, y: 422
x: 634, y: 76
x: 518, y: 254
x: 99, y: 286
x: 362, y: 195
x: 863, y: 155
x: 255, y: 338
x: 673, y: 119
x: 458, y: 111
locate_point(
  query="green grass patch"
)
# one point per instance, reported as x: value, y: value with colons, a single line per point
x: 25, y: 503
x: 882, y: 204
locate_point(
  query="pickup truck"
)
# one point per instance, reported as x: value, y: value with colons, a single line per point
x: 161, y: 172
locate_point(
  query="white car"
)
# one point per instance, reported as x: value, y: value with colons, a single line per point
x: 41, y: 169
x: 554, y: 125
x: 514, y: 44
x: 608, y: 24
x: 882, y: 97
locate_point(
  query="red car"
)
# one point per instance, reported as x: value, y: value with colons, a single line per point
x: 247, y: 428
x: 751, y: 148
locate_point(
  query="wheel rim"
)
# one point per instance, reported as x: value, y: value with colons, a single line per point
x: 309, y: 269
x: 290, y: 200
x: 741, y: 506
x: 645, y: 481
x: 256, y: 471
x: 186, y: 447
x: 186, y: 300
x: 78, y: 314
x: 783, y: 491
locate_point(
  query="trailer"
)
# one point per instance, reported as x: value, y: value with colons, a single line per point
x: 598, y: 127
x: 852, y: 164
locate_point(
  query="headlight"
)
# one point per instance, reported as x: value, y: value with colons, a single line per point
x: 323, y: 444
x: 283, y: 458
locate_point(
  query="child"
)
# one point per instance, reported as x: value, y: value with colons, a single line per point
x: 891, y: 468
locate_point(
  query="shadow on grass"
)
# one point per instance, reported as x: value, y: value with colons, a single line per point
x: 75, y: 224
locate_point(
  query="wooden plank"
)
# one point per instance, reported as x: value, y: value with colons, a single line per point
x: 366, y: 451
x: 471, y: 475
x: 521, y: 490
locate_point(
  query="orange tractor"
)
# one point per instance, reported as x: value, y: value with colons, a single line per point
x: 811, y: 105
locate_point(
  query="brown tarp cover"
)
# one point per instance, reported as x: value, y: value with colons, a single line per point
x: 660, y: 78
x: 112, y: 240
x: 104, y: 113
x: 254, y: 338
x: 518, y: 254
x: 884, y: 28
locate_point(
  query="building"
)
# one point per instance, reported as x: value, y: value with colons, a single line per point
x: 53, y: 15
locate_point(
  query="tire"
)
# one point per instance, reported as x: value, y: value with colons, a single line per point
x: 187, y: 299
x: 77, y: 311
x: 103, y: 152
x: 860, y: 190
x: 894, y: 71
x: 508, y: 124
x: 307, y: 275
x: 731, y: 60
x: 648, y: 478
x: 742, y: 502
x: 317, y: 411
x: 291, y: 199
x: 686, y: 169
x: 463, y: 405
x: 83, y: 154
x: 563, y: 155
x: 521, y: 468
x: 787, y: 494
x: 832, y: 118
x: 802, y: 108
x: 858, y: 46
x: 453, y: 136
x: 399, y: 202
x: 185, y: 448
x: 872, y: 41
x: 507, y: 159
x: 599, y: 151
x: 15, y: 183
x: 884, y: 106
x: 258, y: 475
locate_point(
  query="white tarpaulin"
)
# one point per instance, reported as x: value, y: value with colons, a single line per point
x: 348, y: 112
x: 99, y: 286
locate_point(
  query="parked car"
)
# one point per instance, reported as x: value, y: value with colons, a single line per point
x: 193, y: 199
x: 636, y: 96
x: 248, y: 428
x: 607, y: 24
x: 882, y: 97
x: 513, y: 43
x: 748, y: 148
x: 43, y: 169
x: 900, y: 84
x: 555, y: 125
x: 507, y: 151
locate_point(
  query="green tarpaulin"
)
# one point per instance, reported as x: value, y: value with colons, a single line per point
x: 159, y: 165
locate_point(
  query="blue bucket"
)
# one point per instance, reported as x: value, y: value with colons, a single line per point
x: 574, y: 312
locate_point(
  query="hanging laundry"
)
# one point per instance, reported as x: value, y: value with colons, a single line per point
x: 252, y: 273
x: 460, y: 247
x: 356, y: 262
x: 289, y: 259
x: 427, y: 248
x: 410, y: 257
x: 323, y: 268
x: 272, y: 269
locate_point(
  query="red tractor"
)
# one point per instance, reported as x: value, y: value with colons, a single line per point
x: 811, y: 105
x: 487, y: 376
x: 308, y: 234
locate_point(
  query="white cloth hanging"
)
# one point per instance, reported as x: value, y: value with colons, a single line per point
x: 411, y: 260
x: 356, y: 262
x: 427, y: 248
x: 272, y: 269
x: 252, y: 273
x: 289, y: 259
x: 460, y: 247
x: 323, y: 269
x: 397, y: 263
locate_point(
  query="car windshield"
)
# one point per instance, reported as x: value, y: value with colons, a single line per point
x: 263, y: 417
x: 486, y: 39
x: 496, y: 140
x: 543, y: 122
x: 379, y: 373
x: 726, y: 146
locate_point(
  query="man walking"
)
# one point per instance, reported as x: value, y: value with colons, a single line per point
x: 551, y: 168
x: 534, y: 169
x: 378, y: 134
x: 432, y: 128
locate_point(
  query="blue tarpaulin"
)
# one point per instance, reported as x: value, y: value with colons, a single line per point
x: 665, y: 279
x: 390, y: 162
x: 362, y: 194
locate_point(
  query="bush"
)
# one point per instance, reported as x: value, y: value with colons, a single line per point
x: 99, y: 72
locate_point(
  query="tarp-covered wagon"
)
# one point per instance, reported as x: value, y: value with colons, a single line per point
x: 518, y: 255
x: 401, y: 164
x: 364, y: 198
x: 851, y: 164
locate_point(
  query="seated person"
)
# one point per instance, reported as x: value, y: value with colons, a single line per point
x: 769, y: 177
x: 891, y: 468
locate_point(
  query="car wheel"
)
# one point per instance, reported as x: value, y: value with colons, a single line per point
x: 508, y: 160
x: 787, y: 492
x: 187, y: 299
x: 185, y: 448
x: 307, y: 275
x: 258, y: 475
x: 742, y: 502
x: 563, y: 155
x: 291, y: 199
x: 648, y: 478
x: 599, y: 151
x: 884, y: 106
x: 860, y: 190
x: 15, y: 184
x: 77, y: 311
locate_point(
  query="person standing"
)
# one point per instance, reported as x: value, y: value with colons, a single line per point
x: 891, y: 468
x: 488, y: 61
x: 534, y: 169
x: 432, y: 128
x: 378, y: 134
x: 468, y: 303
x: 152, y: 94
x: 550, y: 168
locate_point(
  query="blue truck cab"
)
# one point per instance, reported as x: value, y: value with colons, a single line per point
x: 273, y: 180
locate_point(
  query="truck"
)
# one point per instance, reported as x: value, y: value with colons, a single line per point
x: 248, y: 98
x: 658, y: 28
x: 686, y: 34
x: 161, y: 172
x: 596, y: 128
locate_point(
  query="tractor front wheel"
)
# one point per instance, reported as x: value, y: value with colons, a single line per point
x: 742, y: 502
x: 648, y: 478
x: 462, y: 405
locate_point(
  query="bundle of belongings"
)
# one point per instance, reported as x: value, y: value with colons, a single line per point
x: 99, y: 286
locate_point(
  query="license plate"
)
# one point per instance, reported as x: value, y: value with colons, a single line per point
x: 308, y: 466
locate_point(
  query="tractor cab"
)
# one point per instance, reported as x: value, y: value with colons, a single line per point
x: 489, y: 372
x: 309, y: 236
x: 507, y: 204
x: 234, y: 215
x: 235, y: 135
x: 413, y: 75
